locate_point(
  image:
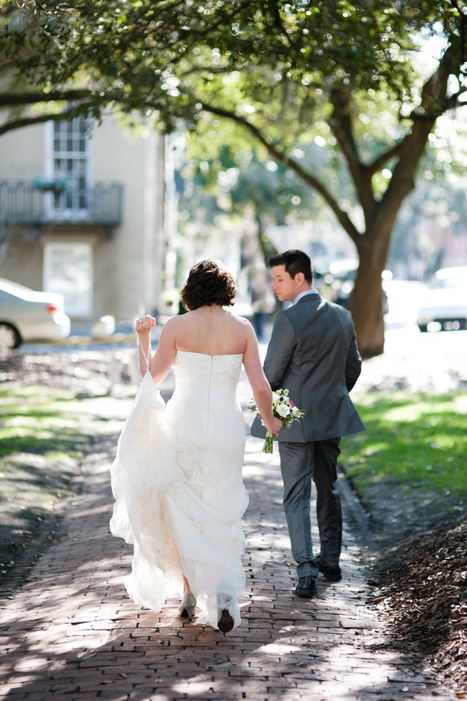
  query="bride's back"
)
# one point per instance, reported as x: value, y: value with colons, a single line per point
x: 211, y: 330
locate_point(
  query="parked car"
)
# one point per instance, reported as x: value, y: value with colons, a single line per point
x: 445, y: 301
x: 27, y: 315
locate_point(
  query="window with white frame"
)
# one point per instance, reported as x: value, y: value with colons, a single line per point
x: 71, y: 141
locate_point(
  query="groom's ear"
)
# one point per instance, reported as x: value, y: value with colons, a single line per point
x: 299, y: 278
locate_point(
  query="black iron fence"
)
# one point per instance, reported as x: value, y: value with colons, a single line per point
x: 42, y: 202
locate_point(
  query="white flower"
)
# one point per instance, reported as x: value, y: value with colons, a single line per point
x: 283, y: 410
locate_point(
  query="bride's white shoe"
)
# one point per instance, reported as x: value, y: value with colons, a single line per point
x: 187, y: 607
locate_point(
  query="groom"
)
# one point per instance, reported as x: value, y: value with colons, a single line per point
x: 312, y: 352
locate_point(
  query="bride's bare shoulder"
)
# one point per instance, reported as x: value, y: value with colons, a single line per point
x: 236, y: 318
x: 241, y: 327
x: 179, y: 319
x: 174, y: 326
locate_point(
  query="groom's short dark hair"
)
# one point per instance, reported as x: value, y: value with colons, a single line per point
x: 295, y: 262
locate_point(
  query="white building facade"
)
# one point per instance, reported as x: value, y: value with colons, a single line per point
x: 85, y: 211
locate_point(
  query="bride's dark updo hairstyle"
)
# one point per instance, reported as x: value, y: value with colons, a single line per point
x: 208, y: 283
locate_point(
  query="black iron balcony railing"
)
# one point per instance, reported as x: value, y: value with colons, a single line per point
x: 44, y: 202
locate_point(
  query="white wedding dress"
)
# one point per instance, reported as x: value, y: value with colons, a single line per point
x: 178, y: 487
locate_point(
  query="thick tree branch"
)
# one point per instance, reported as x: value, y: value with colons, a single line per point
x: 432, y: 91
x: 340, y: 122
x: 448, y: 103
x: 433, y: 103
x: 278, y: 155
x: 403, y: 178
x: 453, y: 101
x: 30, y: 98
x: 434, y: 100
x: 31, y: 121
x: 394, y: 152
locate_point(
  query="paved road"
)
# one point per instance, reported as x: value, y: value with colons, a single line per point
x: 70, y: 632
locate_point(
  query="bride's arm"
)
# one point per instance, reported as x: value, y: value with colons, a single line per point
x: 259, y: 385
x: 164, y: 356
x: 160, y: 362
x: 143, y: 327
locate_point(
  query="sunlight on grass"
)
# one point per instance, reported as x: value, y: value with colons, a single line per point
x: 39, y: 420
x: 413, y: 439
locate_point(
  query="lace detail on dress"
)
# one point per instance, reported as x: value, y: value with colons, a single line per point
x: 191, y: 460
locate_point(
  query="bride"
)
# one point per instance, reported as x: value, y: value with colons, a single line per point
x: 176, y: 480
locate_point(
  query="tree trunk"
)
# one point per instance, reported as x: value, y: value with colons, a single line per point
x: 366, y: 302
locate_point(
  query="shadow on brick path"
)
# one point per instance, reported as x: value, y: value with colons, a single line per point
x: 70, y: 631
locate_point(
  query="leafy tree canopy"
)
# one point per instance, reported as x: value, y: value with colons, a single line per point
x: 284, y: 72
x: 171, y: 57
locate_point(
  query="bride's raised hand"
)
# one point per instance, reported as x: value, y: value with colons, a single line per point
x: 144, y: 324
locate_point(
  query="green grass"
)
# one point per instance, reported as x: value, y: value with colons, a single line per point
x: 414, y: 440
x: 43, y: 438
x: 39, y: 420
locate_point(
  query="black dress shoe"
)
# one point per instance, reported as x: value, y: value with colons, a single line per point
x: 332, y: 574
x: 306, y: 587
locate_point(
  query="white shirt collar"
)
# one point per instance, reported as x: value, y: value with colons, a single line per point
x: 305, y: 292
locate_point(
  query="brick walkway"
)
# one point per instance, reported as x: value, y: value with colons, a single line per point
x: 70, y: 632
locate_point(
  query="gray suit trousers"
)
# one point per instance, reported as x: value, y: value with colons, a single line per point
x: 300, y: 463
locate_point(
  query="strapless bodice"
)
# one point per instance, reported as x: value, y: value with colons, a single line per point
x: 204, y: 376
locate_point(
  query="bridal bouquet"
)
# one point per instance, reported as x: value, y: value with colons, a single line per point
x: 284, y: 409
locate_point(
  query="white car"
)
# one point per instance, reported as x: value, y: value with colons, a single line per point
x: 444, y: 305
x: 27, y: 315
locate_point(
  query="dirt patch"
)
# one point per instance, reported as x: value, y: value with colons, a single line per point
x: 32, y: 490
x: 83, y: 374
x: 421, y: 594
x: 399, y: 514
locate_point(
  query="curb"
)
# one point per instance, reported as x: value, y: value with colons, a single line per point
x: 88, y: 340
x: 359, y: 516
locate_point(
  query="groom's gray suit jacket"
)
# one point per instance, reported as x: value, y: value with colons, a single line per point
x: 313, y: 352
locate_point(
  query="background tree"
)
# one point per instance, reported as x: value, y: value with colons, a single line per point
x: 228, y: 188
x: 433, y: 216
x: 276, y: 69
